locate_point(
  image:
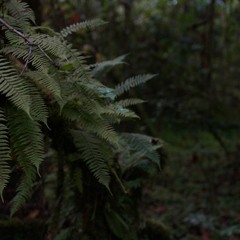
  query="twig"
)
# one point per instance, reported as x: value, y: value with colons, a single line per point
x: 27, y: 61
x: 15, y: 31
x: 45, y: 54
x: 30, y: 44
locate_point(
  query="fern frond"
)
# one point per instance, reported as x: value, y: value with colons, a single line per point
x: 102, y: 66
x: 105, y: 131
x: 38, y: 60
x: 117, y: 113
x: 132, y: 82
x: 24, y: 190
x: 75, y: 111
x: 46, y: 82
x: 13, y: 38
x: 13, y: 86
x: 130, y: 102
x: 52, y: 45
x: 90, y: 24
x: 27, y: 147
x: 89, y: 147
x: 21, y: 12
x: 4, y: 153
x: 90, y: 121
x: 141, y: 146
x: 38, y: 108
x: 25, y: 137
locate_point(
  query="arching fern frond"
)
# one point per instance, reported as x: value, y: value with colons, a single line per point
x: 25, y: 137
x: 27, y: 148
x: 53, y: 45
x: 140, y: 147
x: 115, y: 113
x: 91, y: 122
x: 46, y: 82
x: 21, y: 12
x: 106, y: 131
x: 38, y: 60
x: 4, y: 153
x: 24, y: 190
x: 132, y: 82
x: 102, y: 66
x: 38, y: 108
x: 13, y: 86
x: 90, y: 24
x: 130, y: 102
x: 89, y: 147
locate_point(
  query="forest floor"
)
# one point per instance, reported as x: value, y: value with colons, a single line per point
x: 197, y: 194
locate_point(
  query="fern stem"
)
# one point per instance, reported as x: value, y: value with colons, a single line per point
x: 119, y: 181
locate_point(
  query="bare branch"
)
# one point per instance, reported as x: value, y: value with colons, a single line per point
x: 30, y: 43
x: 15, y: 31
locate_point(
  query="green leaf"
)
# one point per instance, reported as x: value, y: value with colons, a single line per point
x: 4, y: 154
x: 132, y: 82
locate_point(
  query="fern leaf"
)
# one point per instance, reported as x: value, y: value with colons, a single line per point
x: 81, y: 26
x: 26, y: 138
x: 102, y: 66
x: 27, y: 146
x: 38, y: 60
x: 24, y: 190
x: 38, y: 108
x: 117, y: 112
x: 21, y: 12
x: 89, y: 147
x: 50, y: 44
x: 141, y: 146
x: 88, y: 118
x: 132, y: 82
x: 46, y: 82
x: 4, y: 154
x: 130, y: 102
x: 106, y: 132
x: 13, y: 87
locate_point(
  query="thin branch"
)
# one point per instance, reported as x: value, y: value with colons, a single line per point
x: 30, y: 43
x: 15, y: 31
x: 27, y: 61
x: 46, y: 55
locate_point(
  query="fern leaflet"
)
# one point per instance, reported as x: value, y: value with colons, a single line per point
x: 132, y: 82
x: 4, y: 154
x: 80, y: 26
x: 89, y: 147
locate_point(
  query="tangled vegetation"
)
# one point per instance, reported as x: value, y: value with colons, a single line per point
x: 58, y: 134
